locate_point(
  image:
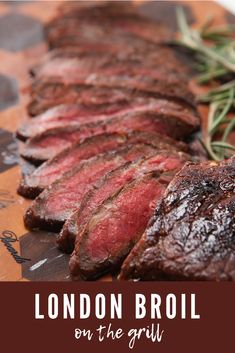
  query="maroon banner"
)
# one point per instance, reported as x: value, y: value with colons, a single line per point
x: 117, y: 317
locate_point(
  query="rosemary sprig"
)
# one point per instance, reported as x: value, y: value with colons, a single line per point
x: 225, y: 109
x: 193, y: 40
x: 215, y: 53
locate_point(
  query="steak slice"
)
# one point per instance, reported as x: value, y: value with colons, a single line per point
x: 106, y: 29
x: 159, y: 82
x: 191, y: 236
x: 115, y: 227
x: 49, y: 94
x: 46, y: 145
x: 76, y: 114
x: 90, y: 10
x: 72, y: 9
x: 64, y: 114
x: 34, y: 183
x: 60, y: 68
x: 56, y: 203
x: 72, y: 114
x: 78, y: 63
x: 162, y: 161
x: 53, y: 94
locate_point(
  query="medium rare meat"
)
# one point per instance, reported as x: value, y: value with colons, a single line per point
x: 71, y: 62
x: 81, y: 51
x: 56, y: 203
x: 34, y: 183
x: 115, y: 227
x: 71, y: 11
x: 46, y: 145
x: 136, y: 52
x: 53, y: 94
x: 70, y: 114
x: 105, y: 29
x: 65, y: 114
x: 76, y: 114
x: 191, y: 236
x: 163, y: 160
x: 92, y: 9
x: 60, y: 68
x: 158, y: 82
x: 49, y: 94
x: 73, y: 8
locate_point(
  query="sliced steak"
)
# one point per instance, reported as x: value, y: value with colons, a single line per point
x: 46, y: 145
x: 53, y: 94
x: 71, y: 52
x: 79, y: 64
x: 76, y: 114
x: 56, y: 203
x: 115, y: 227
x: 61, y: 115
x: 49, y: 94
x: 72, y: 114
x: 192, y: 233
x: 163, y: 160
x: 85, y: 10
x: 60, y: 68
x: 157, y: 54
x: 72, y: 9
x: 34, y: 183
x: 159, y: 82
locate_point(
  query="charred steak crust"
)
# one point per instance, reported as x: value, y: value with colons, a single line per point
x: 156, y: 83
x: 32, y: 184
x: 49, y: 94
x: 191, y: 236
x: 161, y: 162
x: 66, y: 115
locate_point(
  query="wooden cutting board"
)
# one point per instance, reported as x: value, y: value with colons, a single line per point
x: 28, y: 255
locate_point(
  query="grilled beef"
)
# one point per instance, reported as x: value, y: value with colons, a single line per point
x: 96, y: 9
x: 53, y: 94
x: 65, y: 114
x: 115, y: 227
x: 49, y: 94
x: 76, y: 114
x: 163, y: 160
x: 64, y: 63
x: 62, y: 68
x: 46, y: 145
x: 56, y: 203
x: 33, y: 183
x: 136, y: 52
x: 191, y: 236
x: 89, y: 29
x: 158, y: 83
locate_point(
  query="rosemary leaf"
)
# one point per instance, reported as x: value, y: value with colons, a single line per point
x: 229, y: 128
x: 223, y: 145
x: 208, y: 76
x: 223, y: 113
x: 215, y: 54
